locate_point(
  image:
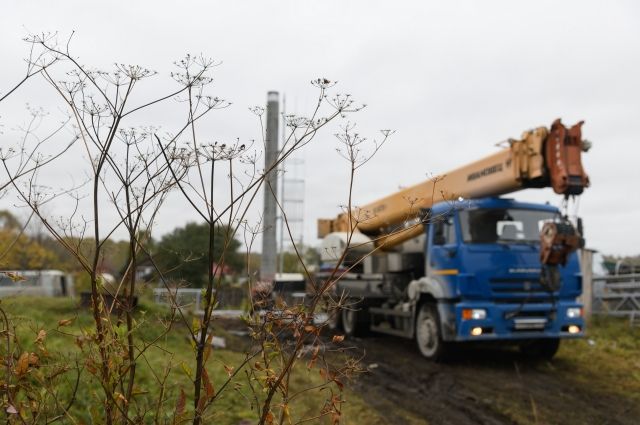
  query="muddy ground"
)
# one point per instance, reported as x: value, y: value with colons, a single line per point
x: 481, y: 385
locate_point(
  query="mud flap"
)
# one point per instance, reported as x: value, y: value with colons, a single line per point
x: 447, y: 321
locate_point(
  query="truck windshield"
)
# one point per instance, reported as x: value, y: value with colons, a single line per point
x: 503, y: 225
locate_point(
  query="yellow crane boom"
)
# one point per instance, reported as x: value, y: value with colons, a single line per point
x: 540, y: 158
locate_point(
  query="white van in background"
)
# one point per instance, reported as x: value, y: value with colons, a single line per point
x: 40, y: 283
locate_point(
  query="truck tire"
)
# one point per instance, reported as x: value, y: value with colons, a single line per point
x: 540, y: 349
x: 354, y: 320
x: 429, y: 334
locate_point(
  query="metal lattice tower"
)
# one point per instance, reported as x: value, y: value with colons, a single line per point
x: 292, y: 196
x: 292, y: 186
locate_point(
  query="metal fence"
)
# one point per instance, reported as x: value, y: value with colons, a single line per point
x: 191, y: 298
x: 617, y: 295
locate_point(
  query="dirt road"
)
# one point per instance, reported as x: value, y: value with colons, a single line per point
x: 481, y: 386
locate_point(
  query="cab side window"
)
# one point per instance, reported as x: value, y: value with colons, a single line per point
x: 444, y: 232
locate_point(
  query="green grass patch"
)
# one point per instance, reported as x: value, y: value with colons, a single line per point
x: 173, y: 351
x: 609, y: 355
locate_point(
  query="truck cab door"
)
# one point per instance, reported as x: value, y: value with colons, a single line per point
x: 442, y: 248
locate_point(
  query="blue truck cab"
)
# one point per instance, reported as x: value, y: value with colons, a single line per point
x: 483, y: 270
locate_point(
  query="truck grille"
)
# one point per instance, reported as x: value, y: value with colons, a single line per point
x: 519, y: 291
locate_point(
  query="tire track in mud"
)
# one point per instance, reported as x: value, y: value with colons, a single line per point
x: 480, y: 386
x: 404, y: 379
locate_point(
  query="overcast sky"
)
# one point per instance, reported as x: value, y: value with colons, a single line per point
x: 452, y: 78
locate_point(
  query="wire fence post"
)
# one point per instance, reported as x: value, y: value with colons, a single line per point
x: 586, y: 266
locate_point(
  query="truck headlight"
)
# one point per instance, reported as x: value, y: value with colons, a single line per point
x: 474, y: 314
x: 476, y: 331
x: 574, y: 312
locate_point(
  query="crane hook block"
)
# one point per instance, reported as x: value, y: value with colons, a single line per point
x: 557, y: 241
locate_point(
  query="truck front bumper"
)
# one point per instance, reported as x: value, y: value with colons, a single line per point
x: 517, y: 322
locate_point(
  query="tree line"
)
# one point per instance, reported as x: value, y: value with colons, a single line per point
x: 181, y: 253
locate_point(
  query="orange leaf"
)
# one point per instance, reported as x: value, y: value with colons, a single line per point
x: 201, y: 403
x: 338, y: 338
x: 42, y: 334
x: 335, y: 418
x: 121, y: 398
x: 269, y: 418
x: 22, y: 366
x: 34, y: 360
x: 314, y: 357
x: 65, y: 322
x: 229, y: 370
x: 208, y: 386
x: 180, y: 405
x: 91, y: 366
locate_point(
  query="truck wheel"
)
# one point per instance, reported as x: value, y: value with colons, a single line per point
x: 429, y: 335
x: 354, y: 320
x: 540, y: 349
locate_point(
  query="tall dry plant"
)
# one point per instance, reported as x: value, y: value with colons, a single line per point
x: 131, y: 171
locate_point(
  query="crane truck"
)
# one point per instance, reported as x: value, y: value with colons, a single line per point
x: 448, y: 260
